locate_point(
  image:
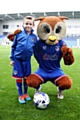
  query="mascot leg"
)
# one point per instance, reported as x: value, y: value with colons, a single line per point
x: 63, y: 83
x: 34, y: 81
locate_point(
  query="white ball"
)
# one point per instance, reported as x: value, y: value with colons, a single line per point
x: 41, y: 100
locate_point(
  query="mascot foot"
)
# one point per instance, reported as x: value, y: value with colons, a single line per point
x: 60, y: 95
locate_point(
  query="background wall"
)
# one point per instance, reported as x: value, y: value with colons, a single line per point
x: 72, y: 34
x: 73, y: 26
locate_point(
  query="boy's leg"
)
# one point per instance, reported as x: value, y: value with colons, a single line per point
x: 19, y: 87
x: 26, y: 96
x: 26, y: 72
x: 17, y: 73
x: 25, y: 86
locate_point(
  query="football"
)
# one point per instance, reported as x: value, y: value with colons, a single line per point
x: 41, y: 100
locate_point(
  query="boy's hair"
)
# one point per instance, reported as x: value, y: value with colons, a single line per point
x: 28, y: 17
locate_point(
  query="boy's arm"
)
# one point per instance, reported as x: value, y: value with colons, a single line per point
x: 13, y: 37
x: 13, y: 47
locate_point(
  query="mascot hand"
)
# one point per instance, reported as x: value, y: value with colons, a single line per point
x: 11, y: 36
x: 17, y: 31
x: 67, y: 55
x: 33, y: 81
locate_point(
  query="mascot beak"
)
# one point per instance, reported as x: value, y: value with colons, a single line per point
x: 52, y: 40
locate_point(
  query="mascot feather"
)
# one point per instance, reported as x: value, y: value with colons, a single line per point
x: 48, y: 51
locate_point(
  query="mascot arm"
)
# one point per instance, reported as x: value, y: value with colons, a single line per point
x: 68, y: 56
x: 11, y: 36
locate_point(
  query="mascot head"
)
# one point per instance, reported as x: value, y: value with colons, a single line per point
x: 51, y: 29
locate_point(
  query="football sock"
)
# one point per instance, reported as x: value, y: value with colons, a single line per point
x: 25, y: 86
x: 19, y: 86
x: 38, y: 87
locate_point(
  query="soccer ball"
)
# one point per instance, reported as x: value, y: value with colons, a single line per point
x: 41, y: 100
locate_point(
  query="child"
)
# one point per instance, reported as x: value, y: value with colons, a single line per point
x: 21, y: 52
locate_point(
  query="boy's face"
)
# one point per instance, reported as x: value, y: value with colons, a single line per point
x: 28, y: 24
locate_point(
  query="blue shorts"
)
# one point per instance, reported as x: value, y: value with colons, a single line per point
x: 49, y: 76
x: 21, y: 68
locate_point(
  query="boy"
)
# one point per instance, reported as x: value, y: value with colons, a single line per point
x: 21, y: 52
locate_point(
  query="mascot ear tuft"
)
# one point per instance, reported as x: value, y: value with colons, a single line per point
x: 11, y: 36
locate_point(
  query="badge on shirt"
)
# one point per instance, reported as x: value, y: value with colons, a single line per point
x: 44, y: 47
x: 57, y: 48
x: 32, y: 39
x: 15, y: 72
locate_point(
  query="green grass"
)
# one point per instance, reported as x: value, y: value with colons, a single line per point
x: 66, y: 109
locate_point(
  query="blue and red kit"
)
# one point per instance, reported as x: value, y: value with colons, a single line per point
x: 49, y: 57
x: 21, y: 52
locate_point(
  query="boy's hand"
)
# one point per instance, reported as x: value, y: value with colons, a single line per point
x: 12, y: 63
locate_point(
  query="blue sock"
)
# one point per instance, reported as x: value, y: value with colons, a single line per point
x: 19, y: 86
x: 38, y: 87
x: 59, y: 89
x: 25, y: 86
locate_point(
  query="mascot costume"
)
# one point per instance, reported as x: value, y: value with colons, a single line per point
x: 48, y: 51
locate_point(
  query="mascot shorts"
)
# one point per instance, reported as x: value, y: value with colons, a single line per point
x: 49, y: 76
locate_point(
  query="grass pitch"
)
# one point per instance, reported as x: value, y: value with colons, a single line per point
x: 66, y: 109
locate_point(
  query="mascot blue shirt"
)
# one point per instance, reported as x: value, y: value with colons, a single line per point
x: 48, y: 56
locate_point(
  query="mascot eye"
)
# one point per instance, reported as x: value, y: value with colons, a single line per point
x: 46, y: 29
x: 58, y: 29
